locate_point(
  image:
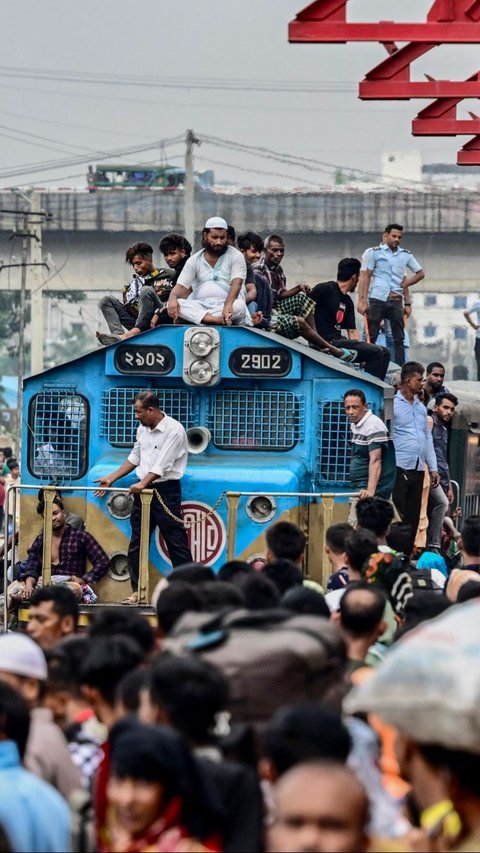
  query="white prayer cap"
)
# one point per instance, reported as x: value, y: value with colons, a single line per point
x: 216, y: 222
x: 20, y: 655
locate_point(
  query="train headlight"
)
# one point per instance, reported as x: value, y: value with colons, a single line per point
x: 200, y: 372
x: 261, y: 508
x: 201, y: 344
x: 118, y: 568
x: 120, y: 504
x: 201, y: 356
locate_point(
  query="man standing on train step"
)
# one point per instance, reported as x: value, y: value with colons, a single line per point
x: 384, y: 284
x: 159, y: 458
x: 211, y: 287
x: 372, y: 464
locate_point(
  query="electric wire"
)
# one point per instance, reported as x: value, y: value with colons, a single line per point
x: 166, y: 82
x: 94, y: 155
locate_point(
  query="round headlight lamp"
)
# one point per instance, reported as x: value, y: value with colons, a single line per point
x: 201, y: 344
x: 200, y: 372
x: 261, y: 508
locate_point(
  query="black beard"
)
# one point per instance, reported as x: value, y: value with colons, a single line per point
x: 215, y: 250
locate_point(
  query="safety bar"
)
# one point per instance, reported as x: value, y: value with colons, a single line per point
x: 233, y: 500
x: 49, y: 493
x: 327, y: 498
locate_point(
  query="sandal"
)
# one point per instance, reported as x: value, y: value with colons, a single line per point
x: 348, y: 355
x: 107, y: 340
x: 131, y: 599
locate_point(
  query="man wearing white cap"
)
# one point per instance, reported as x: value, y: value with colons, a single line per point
x: 211, y: 286
x: 24, y: 667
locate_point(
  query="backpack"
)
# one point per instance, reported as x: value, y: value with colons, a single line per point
x: 422, y: 579
x: 270, y: 657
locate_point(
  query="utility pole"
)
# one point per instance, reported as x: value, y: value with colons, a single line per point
x: 31, y: 257
x: 23, y: 222
x: 35, y: 280
x: 189, y: 189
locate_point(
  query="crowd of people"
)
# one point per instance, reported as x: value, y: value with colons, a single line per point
x: 252, y: 709
x: 410, y: 465
x: 255, y: 711
x: 240, y: 281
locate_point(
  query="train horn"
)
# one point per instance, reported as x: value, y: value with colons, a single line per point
x: 198, y: 439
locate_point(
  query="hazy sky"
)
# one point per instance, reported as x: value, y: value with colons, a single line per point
x: 239, y: 45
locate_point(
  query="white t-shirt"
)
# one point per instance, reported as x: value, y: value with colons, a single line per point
x: 209, y: 282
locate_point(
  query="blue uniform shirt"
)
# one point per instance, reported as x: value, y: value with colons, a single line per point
x: 388, y: 270
x: 411, y: 435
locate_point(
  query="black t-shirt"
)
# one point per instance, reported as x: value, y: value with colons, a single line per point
x: 334, y: 310
x: 249, y: 278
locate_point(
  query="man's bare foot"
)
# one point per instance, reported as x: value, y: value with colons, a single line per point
x: 107, y: 340
x: 257, y: 318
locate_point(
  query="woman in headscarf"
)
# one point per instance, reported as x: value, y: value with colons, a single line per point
x: 158, y: 797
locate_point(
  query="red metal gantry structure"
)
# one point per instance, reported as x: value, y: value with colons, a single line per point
x: 448, y: 22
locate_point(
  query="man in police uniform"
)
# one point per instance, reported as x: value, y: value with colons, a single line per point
x: 383, y: 281
x: 159, y: 458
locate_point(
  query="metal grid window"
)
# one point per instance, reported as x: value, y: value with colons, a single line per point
x: 334, y: 444
x: 256, y: 420
x: 57, y: 446
x: 119, y: 425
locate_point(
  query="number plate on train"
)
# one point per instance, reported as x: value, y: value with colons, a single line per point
x: 255, y: 361
x: 153, y: 359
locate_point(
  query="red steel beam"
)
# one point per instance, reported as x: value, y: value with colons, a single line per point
x: 451, y: 10
x: 440, y: 117
x: 469, y: 155
x: 314, y: 31
x: 390, y: 80
x: 446, y: 127
x: 448, y: 22
x: 391, y: 90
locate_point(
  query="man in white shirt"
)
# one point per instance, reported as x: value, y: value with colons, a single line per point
x: 211, y: 287
x: 159, y: 458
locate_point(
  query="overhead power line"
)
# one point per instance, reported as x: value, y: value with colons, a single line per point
x: 309, y: 163
x: 166, y: 82
x: 98, y: 156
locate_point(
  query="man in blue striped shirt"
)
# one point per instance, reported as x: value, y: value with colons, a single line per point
x: 413, y: 443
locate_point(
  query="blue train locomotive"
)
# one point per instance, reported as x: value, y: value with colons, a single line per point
x: 264, y: 417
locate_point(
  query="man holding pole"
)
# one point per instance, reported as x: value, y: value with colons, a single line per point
x: 159, y: 458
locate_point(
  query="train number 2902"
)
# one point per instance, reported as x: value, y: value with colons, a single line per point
x: 257, y: 361
x: 262, y: 361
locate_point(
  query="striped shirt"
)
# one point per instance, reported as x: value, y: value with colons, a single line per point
x: 368, y: 435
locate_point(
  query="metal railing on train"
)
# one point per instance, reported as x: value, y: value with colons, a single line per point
x: 49, y: 494
x: 233, y: 498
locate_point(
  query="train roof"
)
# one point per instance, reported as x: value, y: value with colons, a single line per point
x: 468, y: 409
x: 154, y: 336
x: 327, y: 360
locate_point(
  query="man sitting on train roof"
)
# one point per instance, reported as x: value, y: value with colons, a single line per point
x: 141, y: 297
x: 211, y: 286
x: 176, y: 250
x: 335, y: 312
x: 290, y: 311
x: 71, y: 548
